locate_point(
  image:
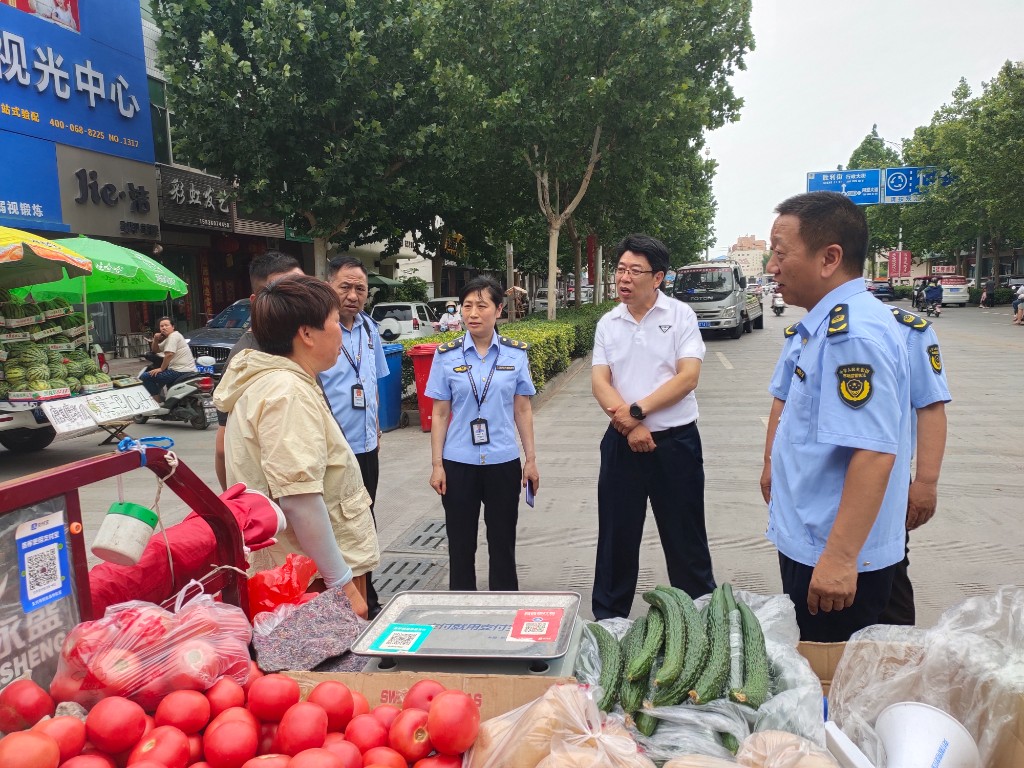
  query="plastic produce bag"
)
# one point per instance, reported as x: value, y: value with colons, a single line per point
x: 562, y: 729
x: 281, y: 585
x: 142, y: 651
x: 778, y: 749
x: 694, y: 729
x: 970, y: 665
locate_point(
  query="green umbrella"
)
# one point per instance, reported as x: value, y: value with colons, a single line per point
x: 379, y: 280
x: 118, y: 274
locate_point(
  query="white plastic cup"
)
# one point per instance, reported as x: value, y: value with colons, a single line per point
x: 124, y: 533
x: 918, y: 735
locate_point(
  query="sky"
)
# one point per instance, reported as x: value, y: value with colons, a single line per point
x: 824, y: 71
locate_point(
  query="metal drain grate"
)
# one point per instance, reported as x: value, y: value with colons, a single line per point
x: 424, y: 536
x: 402, y: 574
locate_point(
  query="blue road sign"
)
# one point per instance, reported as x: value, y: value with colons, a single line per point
x: 862, y: 186
x: 903, y: 185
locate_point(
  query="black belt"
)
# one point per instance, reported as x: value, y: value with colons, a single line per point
x: 673, y: 430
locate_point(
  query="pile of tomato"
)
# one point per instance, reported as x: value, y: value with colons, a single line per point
x: 263, y: 724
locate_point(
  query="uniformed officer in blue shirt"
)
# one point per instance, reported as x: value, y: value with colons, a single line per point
x: 929, y: 393
x: 840, y: 456
x: 482, y: 380
x: 351, y: 385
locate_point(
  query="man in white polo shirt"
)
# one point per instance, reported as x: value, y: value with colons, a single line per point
x: 647, y: 357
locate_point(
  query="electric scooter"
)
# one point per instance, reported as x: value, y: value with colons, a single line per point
x: 189, y: 399
x: 778, y: 304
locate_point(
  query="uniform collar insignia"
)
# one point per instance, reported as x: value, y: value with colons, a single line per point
x: 837, y: 320
x: 790, y: 331
x: 916, y: 322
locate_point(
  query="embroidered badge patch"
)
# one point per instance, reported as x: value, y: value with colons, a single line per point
x: 855, y: 384
x: 934, y: 358
x: 664, y: 328
x: 461, y: 368
x: 800, y: 373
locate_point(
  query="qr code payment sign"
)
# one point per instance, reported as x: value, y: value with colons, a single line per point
x: 42, y: 571
x: 535, y: 628
x: 401, y: 638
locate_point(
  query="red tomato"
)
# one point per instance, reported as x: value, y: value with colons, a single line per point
x: 29, y: 749
x: 268, y: 734
x: 360, y: 706
x: 148, y: 764
x: 89, y: 761
x: 440, y: 761
x: 68, y: 732
x: 86, y: 640
x: 408, y: 735
x: 384, y: 756
x: 153, y: 690
x: 336, y: 699
x: 304, y: 726
x: 230, y: 744
x: 254, y: 674
x: 23, y: 704
x: 366, y: 732
x: 421, y: 694
x: 166, y: 745
x: 202, y: 764
x: 224, y: 694
x: 186, y: 710
x: 452, y: 722
x: 194, y: 665
x: 233, y: 714
x: 145, y: 626
x: 386, y: 713
x: 120, y: 670
x: 349, y: 753
x: 315, y: 758
x: 115, y: 724
x: 271, y: 695
x: 195, y: 748
x: 268, y: 761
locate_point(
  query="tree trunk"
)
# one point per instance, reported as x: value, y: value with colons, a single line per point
x: 577, y: 250
x: 554, y: 226
x: 437, y: 264
x: 320, y: 257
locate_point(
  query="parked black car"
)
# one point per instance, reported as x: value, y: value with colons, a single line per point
x: 882, y: 290
x: 219, y: 335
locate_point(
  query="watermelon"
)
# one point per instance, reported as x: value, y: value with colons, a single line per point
x: 38, y: 384
x: 5, y: 388
x: 15, y: 372
x: 57, y: 371
x: 91, y: 367
x: 74, y: 385
x: 57, y: 384
x: 90, y: 378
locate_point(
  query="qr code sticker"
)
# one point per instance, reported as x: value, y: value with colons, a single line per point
x: 42, y: 571
x: 400, y: 641
x: 535, y: 628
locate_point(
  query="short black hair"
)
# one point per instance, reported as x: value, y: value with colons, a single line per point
x: 268, y: 264
x: 339, y: 263
x: 485, y: 285
x: 651, y: 248
x: 828, y: 218
x: 165, y: 317
x: 284, y: 306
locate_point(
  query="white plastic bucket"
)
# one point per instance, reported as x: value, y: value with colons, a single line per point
x: 124, y: 533
x: 918, y: 735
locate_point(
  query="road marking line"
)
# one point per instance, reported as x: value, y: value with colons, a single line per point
x: 724, y: 361
x: 764, y: 419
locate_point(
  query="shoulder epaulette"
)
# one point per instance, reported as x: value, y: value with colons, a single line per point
x: 790, y: 331
x: 514, y: 343
x: 838, y: 320
x: 916, y: 322
x: 448, y: 346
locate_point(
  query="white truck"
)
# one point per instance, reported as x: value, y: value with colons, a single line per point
x: 716, y: 292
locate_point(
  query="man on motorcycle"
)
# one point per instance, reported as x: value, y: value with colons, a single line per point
x: 933, y: 298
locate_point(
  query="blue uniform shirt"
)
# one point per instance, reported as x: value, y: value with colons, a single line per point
x: 364, y: 346
x: 849, y: 390
x: 454, y: 362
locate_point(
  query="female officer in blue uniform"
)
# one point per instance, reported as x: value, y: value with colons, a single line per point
x: 482, y: 380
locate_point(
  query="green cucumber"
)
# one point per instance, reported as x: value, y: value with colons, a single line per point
x: 645, y: 723
x: 756, y: 670
x: 675, y: 639
x: 638, y: 665
x: 611, y: 665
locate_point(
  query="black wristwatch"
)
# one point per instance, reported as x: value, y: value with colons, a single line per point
x: 636, y: 412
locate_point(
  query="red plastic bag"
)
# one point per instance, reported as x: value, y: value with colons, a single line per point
x: 285, y: 584
x: 142, y: 651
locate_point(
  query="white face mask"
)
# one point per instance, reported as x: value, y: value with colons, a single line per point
x: 451, y: 310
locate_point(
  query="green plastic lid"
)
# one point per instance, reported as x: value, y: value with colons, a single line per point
x: 139, y: 512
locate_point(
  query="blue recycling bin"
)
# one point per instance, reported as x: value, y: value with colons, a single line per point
x: 391, y: 389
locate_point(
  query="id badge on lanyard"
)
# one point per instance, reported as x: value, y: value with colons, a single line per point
x: 358, y: 397
x: 478, y: 431
x: 358, y: 393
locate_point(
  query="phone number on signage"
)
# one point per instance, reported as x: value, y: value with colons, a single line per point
x: 94, y: 134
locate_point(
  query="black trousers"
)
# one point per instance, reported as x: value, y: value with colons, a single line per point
x: 873, y: 589
x: 497, y: 487
x: 672, y: 477
x: 900, y: 609
x: 369, y: 468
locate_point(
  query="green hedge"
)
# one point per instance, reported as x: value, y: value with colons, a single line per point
x: 904, y: 291
x: 553, y: 343
x: 1003, y: 295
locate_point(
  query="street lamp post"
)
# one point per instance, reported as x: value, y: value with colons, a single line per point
x: 707, y: 243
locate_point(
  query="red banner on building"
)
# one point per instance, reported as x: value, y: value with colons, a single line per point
x: 899, y: 263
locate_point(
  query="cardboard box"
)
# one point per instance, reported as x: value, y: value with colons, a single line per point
x: 44, y: 333
x: 494, y: 694
x: 59, y: 312
x: 12, y: 335
x: 40, y: 394
x: 18, y: 322
x: 824, y: 657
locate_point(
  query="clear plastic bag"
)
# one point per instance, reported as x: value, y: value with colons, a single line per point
x: 142, y: 651
x: 970, y: 665
x: 561, y: 729
x: 692, y: 729
x: 778, y: 749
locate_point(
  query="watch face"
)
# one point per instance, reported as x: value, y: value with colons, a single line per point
x: 636, y: 412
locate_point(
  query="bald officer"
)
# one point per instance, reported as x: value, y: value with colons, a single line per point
x: 841, y: 452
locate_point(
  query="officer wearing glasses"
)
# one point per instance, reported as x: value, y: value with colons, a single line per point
x: 647, y: 358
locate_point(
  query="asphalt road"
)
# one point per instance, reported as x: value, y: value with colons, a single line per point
x: 970, y: 547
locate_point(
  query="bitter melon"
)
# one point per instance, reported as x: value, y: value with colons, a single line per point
x: 695, y: 652
x: 611, y: 665
x: 632, y: 692
x: 638, y: 665
x: 712, y: 680
x: 756, y: 670
x: 675, y: 638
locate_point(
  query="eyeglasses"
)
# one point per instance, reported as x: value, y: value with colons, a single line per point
x: 632, y: 271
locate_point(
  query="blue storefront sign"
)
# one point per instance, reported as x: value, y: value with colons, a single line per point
x: 29, y: 187
x: 84, y: 88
